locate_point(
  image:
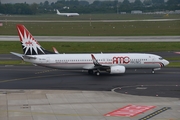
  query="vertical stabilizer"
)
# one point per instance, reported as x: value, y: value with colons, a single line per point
x: 29, y: 45
x: 58, y: 12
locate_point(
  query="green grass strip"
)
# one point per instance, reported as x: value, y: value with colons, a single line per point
x: 90, y: 47
x: 137, y: 28
x: 174, y: 64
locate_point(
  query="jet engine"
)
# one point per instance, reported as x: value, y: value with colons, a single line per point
x: 117, y: 69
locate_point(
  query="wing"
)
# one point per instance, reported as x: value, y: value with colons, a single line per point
x: 95, y: 62
x: 112, y: 69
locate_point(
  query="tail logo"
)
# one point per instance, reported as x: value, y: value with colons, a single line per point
x: 29, y: 44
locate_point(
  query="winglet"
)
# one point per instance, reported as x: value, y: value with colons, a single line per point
x: 55, y: 50
x: 95, y: 62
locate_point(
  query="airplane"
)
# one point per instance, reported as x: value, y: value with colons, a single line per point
x: 112, y: 63
x: 177, y: 52
x: 67, y: 14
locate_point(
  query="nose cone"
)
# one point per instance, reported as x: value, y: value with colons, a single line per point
x: 166, y: 62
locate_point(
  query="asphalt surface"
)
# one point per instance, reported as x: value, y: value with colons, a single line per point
x: 98, y: 38
x: 34, y: 77
x: 32, y: 92
x: 165, y: 83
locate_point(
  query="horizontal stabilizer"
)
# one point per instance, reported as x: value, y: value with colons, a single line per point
x: 17, y: 54
x: 22, y: 56
x: 28, y: 57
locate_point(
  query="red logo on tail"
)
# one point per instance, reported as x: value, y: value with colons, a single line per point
x: 30, y: 45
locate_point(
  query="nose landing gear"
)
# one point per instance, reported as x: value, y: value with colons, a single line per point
x: 153, y: 70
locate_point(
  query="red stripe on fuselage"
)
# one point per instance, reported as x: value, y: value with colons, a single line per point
x: 161, y: 64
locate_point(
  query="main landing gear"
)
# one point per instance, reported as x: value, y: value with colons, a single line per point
x: 152, y: 71
x: 97, y: 73
x: 91, y: 72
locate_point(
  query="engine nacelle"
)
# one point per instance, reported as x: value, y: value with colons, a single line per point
x: 117, y: 69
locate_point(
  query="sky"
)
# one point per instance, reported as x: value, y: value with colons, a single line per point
x: 38, y: 1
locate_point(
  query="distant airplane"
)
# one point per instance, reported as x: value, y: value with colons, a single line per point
x: 112, y: 63
x: 177, y: 52
x: 67, y: 14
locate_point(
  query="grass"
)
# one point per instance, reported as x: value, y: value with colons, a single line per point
x: 63, y: 28
x: 91, y: 16
x: 160, y: 28
x: 174, y: 64
x: 90, y: 47
x: 60, y: 28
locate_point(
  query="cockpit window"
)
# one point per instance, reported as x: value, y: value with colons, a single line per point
x: 160, y: 58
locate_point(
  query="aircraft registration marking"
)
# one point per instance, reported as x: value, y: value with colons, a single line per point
x: 121, y: 60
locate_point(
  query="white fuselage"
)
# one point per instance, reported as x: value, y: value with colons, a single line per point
x: 68, y: 14
x: 84, y: 61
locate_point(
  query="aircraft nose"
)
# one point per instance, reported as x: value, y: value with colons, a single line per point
x: 166, y: 62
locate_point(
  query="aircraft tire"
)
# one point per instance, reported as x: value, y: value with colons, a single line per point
x: 97, y: 73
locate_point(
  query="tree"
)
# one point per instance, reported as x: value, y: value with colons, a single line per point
x: 83, y: 3
x: 126, y: 2
x: 137, y: 3
x: 173, y: 2
x: 147, y: 2
x: 158, y: 2
x: 34, y: 8
x: 98, y: 6
x: 125, y: 6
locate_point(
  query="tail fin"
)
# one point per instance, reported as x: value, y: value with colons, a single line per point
x: 58, y: 11
x: 29, y: 45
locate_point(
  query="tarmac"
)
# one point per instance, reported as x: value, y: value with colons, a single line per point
x: 36, y: 93
x: 44, y: 94
x: 98, y: 38
x: 80, y: 105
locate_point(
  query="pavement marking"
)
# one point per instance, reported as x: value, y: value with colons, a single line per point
x: 46, y: 71
x: 26, y: 78
x: 155, y: 113
x: 142, y: 86
x: 130, y: 110
x: 44, y: 113
x: 167, y: 119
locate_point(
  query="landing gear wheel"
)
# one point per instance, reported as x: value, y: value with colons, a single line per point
x: 152, y: 72
x: 97, y: 73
